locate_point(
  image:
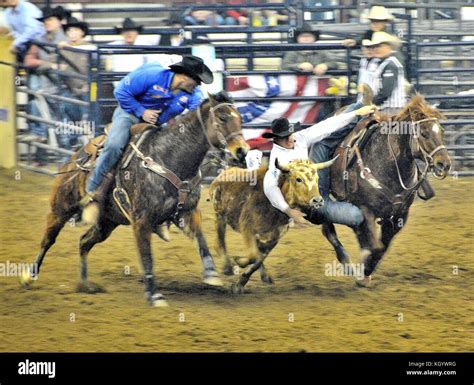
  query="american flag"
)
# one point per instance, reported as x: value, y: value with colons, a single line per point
x: 270, y: 86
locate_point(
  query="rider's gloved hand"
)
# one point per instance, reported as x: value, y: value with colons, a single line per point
x: 366, y: 110
x: 151, y: 116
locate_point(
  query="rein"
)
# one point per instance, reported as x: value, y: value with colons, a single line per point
x: 185, y: 187
x: 401, y: 199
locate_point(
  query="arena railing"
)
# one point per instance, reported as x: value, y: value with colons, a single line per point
x: 222, y: 51
x: 48, y: 117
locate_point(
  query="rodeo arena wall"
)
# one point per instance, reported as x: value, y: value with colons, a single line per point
x: 246, y: 61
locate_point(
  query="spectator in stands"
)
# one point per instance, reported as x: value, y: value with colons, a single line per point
x: 130, y: 33
x: 259, y: 17
x: 203, y: 17
x: 175, y: 21
x: 389, y: 79
x: 22, y: 19
x: 41, y: 63
x: 64, y: 14
x: 379, y: 17
x: 307, y: 60
x: 76, y: 88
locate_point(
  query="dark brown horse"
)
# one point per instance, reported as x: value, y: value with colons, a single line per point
x: 154, y: 199
x: 390, y: 154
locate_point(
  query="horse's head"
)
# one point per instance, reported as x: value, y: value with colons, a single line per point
x: 224, y: 126
x: 300, y: 182
x: 428, y: 143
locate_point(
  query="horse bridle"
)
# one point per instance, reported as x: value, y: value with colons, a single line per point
x: 428, y: 157
x: 223, y: 140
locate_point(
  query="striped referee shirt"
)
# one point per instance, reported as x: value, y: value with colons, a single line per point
x: 388, y: 86
x: 367, y: 69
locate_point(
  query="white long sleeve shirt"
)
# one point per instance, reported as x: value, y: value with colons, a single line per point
x: 303, y: 140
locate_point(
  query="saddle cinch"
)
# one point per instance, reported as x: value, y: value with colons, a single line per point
x: 348, y: 151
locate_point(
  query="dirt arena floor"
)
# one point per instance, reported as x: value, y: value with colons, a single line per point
x: 416, y: 302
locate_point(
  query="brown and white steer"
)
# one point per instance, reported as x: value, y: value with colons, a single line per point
x: 239, y: 201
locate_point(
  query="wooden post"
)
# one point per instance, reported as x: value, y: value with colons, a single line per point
x: 7, y: 105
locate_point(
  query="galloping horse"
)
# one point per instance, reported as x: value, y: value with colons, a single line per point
x: 162, y: 183
x: 385, y: 178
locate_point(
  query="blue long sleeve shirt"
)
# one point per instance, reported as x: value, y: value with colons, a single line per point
x: 23, y: 23
x: 149, y: 88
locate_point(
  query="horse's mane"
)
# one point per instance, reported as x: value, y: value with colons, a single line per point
x: 189, y: 118
x: 418, y: 109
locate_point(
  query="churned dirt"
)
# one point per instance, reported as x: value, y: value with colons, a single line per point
x: 417, y: 302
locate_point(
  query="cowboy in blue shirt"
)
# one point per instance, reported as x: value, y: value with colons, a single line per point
x: 152, y: 94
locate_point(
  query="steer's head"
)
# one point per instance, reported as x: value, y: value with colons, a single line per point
x: 299, y: 183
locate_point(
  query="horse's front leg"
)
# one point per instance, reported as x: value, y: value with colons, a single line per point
x: 192, y: 227
x: 372, y: 248
x: 329, y: 231
x: 142, y: 230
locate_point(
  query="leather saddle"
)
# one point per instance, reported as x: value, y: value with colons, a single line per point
x: 348, y: 180
x: 88, y: 154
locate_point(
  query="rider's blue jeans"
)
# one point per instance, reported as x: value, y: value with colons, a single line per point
x: 116, y: 141
x: 343, y: 213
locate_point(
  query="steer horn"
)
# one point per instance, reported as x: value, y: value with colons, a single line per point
x: 329, y: 163
x: 282, y: 167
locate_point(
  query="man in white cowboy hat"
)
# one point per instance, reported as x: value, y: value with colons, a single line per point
x: 379, y: 17
x: 290, y: 143
x: 388, y: 79
x: 367, y: 67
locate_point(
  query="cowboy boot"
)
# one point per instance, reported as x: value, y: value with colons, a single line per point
x: 92, y: 202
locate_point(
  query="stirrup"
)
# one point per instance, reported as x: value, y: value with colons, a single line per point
x: 88, y: 198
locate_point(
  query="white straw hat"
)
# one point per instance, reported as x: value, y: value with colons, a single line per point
x: 378, y: 12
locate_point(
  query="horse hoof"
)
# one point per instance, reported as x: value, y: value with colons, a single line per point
x: 26, y: 279
x: 158, y: 300
x: 365, y: 282
x: 267, y: 279
x: 228, y: 270
x: 237, y: 288
x: 163, y: 232
x: 160, y: 303
x: 213, y: 281
x: 89, y: 288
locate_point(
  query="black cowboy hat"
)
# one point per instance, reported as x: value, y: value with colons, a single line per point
x: 73, y: 22
x: 50, y: 12
x: 194, y: 67
x: 128, y: 25
x: 63, y: 12
x: 307, y: 28
x: 282, y: 128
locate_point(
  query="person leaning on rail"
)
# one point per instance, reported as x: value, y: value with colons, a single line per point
x: 307, y: 60
x: 150, y: 94
x: 40, y: 63
x: 78, y: 62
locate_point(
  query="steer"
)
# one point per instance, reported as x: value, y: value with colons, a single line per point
x: 243, y: 205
